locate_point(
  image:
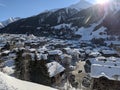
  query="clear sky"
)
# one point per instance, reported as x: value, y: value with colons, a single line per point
x: 26, y: 8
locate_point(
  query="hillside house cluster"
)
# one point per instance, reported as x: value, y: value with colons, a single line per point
x: 104, y: 69
x: 28, y: 57
x: 19, y: 53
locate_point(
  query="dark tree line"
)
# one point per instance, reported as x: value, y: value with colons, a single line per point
x: 98, y: 41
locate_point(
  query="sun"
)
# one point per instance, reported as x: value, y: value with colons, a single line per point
x: 102, y: 1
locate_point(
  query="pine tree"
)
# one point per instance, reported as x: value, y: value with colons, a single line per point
x: 39, y: 72
x: 18, y: 64
x: 22, y: 65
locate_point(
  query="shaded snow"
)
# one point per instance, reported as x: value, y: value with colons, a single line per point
x: 96, y: 34
x: 85, y: 32
x: 62, y: 26
x: 59, y: 19
x: 88, y: 33
x: 1, y: 25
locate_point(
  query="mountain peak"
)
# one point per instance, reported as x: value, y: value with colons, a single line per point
x: 82, y: 4
x: 8, y: 21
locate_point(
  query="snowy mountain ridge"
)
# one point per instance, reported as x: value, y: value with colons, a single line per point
x: 76, y: 22
x: 82, y: 4
x: 8, y: 21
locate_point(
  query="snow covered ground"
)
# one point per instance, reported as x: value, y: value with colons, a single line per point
x: 88, y: 33
x: 11, y: 83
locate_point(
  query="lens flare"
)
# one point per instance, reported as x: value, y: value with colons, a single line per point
x: 102, y: 1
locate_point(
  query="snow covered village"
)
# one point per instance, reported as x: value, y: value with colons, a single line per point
x: 57, y: 63
x: 68, y: 45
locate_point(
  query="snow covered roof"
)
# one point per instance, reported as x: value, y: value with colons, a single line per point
x: 109, y: 52
x: 42, y: 49
x: 21, y: 48
x: 108, y: 71
x: 54, y: 68
x: 105, y: 61
x: 32, y: 36
x: 76, y: 51
x: 6, y: 52
x: 32, y: 50
x: 72, y: 51
x: 105, y: 67
x: 55, y: 52
x: 94, y: 53
x: 100, y: 58
x: 65, y: 55
x: 68, y: 50
x: 42, y: 56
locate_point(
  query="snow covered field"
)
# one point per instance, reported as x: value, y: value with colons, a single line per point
x: 11, y: 83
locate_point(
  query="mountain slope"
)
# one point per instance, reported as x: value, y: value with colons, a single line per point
x: 41, y: 22
x: 100, y: 20
x: 11, y: 83
x: 8, y: 21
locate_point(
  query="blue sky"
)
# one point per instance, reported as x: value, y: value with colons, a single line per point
x: 26, y: 8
